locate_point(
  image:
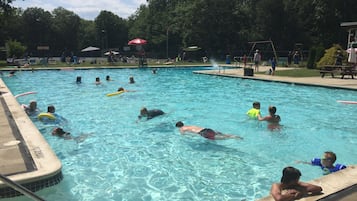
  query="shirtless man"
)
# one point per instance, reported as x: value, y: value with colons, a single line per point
x: 205, y: 132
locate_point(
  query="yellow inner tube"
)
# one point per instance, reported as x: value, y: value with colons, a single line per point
x: 46, y: 115
x: 115, y: 93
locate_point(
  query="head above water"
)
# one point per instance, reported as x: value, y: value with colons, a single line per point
x: 144, y: 111
x: 272, y: 110
x: 290, y: 175
x: 256, y: 105
x: 179, y: 124
x: 51, y: 109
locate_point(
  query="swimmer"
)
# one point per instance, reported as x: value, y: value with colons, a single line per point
x: 255, y: 111
x: 59, y: 132
x: 272, y: 119
x: 149, y: 114
x: 11, y: 73
x: 97, y: 81
x: 79, y: 79
x: 131, y: 80
x: 205, y: 132
x: 124, y: 90
x: 154, y: 71
x: 31, y: 109
x: 107, y: 78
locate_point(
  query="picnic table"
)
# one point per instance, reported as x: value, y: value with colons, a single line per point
x: 338, y: 69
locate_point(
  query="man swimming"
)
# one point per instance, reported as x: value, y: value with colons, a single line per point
x: 149, y: 114
x: 205, y: 132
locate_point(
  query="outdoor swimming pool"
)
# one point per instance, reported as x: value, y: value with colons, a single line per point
x: 149, y: 160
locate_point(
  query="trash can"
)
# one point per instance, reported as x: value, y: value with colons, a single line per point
x: 248, y: 72
x: 228, y: 59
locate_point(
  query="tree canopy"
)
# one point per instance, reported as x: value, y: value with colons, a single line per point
x: 218, y: 27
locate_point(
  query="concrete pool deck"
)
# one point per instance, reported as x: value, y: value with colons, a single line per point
x: 27, y: 158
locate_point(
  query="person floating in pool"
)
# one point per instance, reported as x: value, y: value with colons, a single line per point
x: 79, y: 79
x: 149, y: 114
x: 51, y: 116
x: 290, y: 188
x: 272, y: 119
x: 131, y: 80
x: 124, y: 90
x: 205, y: 132
x: 59, y: 132
x: 255, y: 111
x: 326, y: 163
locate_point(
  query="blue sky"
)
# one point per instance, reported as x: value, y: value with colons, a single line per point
x: 86, y: 9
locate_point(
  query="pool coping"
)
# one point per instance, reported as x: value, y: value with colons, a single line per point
x: 29, y: 158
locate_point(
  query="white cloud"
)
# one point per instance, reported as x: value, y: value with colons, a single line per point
x: 86, y: 9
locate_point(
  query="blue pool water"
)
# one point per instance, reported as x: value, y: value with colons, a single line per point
x: 149, y: 160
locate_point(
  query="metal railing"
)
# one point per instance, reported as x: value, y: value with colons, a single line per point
x: 20, y: 188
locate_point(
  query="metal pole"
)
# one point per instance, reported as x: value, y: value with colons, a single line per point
x: 167, y: 42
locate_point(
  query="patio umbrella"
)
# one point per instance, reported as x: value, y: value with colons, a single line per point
x: 113, y: 52
x: 137, y: 41
x: 191, y: 48
x: 89, y: 49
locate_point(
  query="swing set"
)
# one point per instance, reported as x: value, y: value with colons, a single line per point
x: 255, y: 43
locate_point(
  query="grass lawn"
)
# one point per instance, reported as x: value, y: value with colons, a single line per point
x: 300, y: 72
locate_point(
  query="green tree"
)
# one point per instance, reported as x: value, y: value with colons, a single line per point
x: 14, y: 49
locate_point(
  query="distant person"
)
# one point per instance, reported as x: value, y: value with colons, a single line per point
x: 79, y: 79
x: 272, y: 119
x: 124, y: 90
x: 31, y: 109
x: 296, y: 58
x: 149, y: 114
x: 154, y: 71
x: 273, y: 65
x: 255, y: 111
x: 290, y: 188
x: 205, y: 132
x: 59, y: 132
x: 131, y: 80
x: 107, y: 78
x: 12, y: 73
x: 326, y: 163
x: 339, y: 58
x: 257, y: 58
x: 97, y: 81
x: 290, y: 58
x: 245, y: 60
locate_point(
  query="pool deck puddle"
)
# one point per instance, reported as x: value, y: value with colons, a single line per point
x: 30, y: 160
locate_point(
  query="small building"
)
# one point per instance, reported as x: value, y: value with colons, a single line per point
x: 351, y: 28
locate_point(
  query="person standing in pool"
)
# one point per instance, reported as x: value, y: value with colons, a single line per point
x: 149, y: 114
x: 97, y: 81
x: 205, y: 132
x: 31, y: 109
x: 131, y: 80
x: 272, y: 119
x: 255, y: 111
x: 290, y: 188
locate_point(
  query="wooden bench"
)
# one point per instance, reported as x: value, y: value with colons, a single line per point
x: 329, y: 70
x: 348, y: 71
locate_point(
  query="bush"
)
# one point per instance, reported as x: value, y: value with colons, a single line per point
x: 14, y: 49
x: 329, y: 56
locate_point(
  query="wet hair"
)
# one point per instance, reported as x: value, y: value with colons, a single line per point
x: 272, y: 109
x: 121, y: 89
x: 51, y: 109
x: 290, y: 174
x: 108, y: 77
x: 97, y: 79
x: 179, y: 124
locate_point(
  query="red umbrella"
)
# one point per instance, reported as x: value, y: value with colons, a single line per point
x: 137, y: 41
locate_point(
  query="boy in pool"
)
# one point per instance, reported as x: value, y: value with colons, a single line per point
x: 59, y: 132
x: 205, y: 132
x: 255, y: 111
x: 326, y: 163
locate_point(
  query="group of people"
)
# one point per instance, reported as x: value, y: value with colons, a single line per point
x: 107, y: 78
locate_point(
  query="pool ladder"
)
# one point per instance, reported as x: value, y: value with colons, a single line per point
x: 20, y: 188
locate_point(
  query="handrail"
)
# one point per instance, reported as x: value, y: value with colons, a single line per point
x: 20, y: 188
